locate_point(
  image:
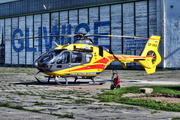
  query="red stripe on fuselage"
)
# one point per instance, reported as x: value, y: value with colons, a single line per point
x: 133, y: 57
x: 118, y: 57
x: 150, y: 56
x: 137, y: 57
x: 111, y: 57
x: 125, y: 57
x: 90, y: 67
x: 103, y: 60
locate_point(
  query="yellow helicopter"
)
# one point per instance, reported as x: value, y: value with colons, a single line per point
x: 86, y: 60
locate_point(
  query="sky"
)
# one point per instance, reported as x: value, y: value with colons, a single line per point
x: 4, y: 1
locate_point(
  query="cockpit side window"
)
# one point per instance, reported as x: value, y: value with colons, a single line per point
x: 64, y: 58
x: 76, y: 58
x: 88, y: 58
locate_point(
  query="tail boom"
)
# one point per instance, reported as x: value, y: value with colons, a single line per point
x: 149, y: 58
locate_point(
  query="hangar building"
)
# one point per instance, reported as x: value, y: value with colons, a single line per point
x: 28, y: 18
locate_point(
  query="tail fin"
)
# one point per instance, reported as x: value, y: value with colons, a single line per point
x: 152, y: 55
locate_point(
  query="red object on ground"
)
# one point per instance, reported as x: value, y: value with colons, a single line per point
x: 116, y: 81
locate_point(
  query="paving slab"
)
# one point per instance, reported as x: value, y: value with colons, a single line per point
x: 51, y: 101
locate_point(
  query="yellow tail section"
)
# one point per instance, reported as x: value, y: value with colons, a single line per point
x: 152, y: 55
x: 149, y: 58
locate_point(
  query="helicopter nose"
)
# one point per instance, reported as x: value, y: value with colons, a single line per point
x: 36, y: 64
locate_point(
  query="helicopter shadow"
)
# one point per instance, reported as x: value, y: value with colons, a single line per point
x: 35, y: 83
x: 62, y: 83
x: 123, y: 81
x: 72, y: 83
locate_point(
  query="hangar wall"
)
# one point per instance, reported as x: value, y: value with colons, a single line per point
x: 171, y: 34
x: 137, y: 18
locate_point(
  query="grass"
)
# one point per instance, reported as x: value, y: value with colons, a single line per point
x: 68, y: 97
x: 83, y: 101
x: 21, y: 93
x: 163, y: 69
x: 115, y: 96
x: 120, y: 118
x: 122, y: 106
x: 17, y: 107
x: 176, y: 118
x: 67, y: 116
x: 37, y: 111
x: 95, y: 108
x: 153, y: 112
x: 40, y: 103
x: 64, y: 116
x: 43, y: 97
x: 107, y: 105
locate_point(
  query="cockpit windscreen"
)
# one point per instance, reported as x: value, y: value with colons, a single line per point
x: 50, y: 57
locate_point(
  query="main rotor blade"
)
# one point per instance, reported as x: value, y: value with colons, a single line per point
x: 38, y: 37
x: 87, y: 35
x: 120, y: 36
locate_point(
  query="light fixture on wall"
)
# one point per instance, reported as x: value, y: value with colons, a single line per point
x: 44, y: 6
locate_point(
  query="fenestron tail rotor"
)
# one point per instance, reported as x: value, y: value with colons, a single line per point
x: 153, y: 54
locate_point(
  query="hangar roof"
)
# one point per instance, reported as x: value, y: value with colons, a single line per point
x: 6, y: 1
x: 27, y: 7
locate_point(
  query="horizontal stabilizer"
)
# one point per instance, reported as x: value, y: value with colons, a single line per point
x: 151, y: 70
x: 146, y: 63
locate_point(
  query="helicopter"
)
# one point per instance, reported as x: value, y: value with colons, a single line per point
x: 84, y: 59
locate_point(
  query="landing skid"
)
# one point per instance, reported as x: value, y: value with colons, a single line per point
x: 66, y: 82
x: 92, y: 78
x: 40, y: 80
x: 57, y: 80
